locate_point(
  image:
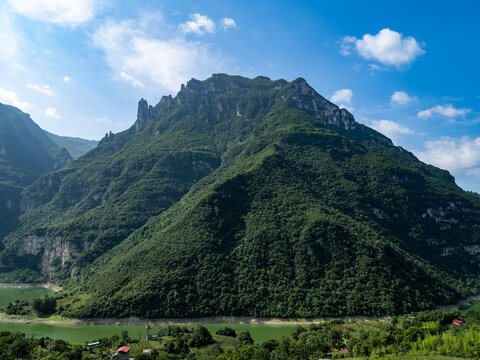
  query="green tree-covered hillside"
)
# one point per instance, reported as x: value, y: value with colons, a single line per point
x: 248, y: 197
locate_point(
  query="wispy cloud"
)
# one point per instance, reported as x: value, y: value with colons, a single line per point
x: 138, y: 58
x: 388, y: 47
x: 228, y: 23
x: 200, y: 24
x: 61, y: 12
x: 443, y: 110
x: 9, y: 38
x: 66, y: 79
x: 130, y: 79
x: 50, y: 111
x: 102, y: 119
x: 45, y: 89
x: 391, y: 129
x: 11, y: 98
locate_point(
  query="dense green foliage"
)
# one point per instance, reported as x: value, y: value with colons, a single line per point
x: 75, y: 146
x: 44, y: 306
x: 226, y: 331
x: 425, y: 336
x: 249, y: 197
x: 16, y: 307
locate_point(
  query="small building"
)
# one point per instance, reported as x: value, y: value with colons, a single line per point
x: 122, y: 353
x: 457, y: 322
x: 93, y: 345
x: 151, y: 337
x: 147, y: 351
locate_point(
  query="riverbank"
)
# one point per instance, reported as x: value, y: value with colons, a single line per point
x: 50, y: 286
x: 52, y: 320
x: 224, y: 319
x: 135, y: 321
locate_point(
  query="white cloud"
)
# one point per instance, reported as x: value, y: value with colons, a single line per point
x: 66, y: 79
x: 60, y: 12
x: 343, y: 95
x: 343, y: 98
x: 401, y: 98
x: 9, y: 38
x: 11, y: 98
x: 461, y: 156
x: 50, y: 111
x: 130, y: 79
x: 102, y: 119
x: 200, y: 24
x: 228, y: 23
x: 138, y: 58
x: 443, y: 110
x: 390, y: 129
x: 45, y: 89
x: 387, y: 47
x: 376, y: 67
x: 347, y: 45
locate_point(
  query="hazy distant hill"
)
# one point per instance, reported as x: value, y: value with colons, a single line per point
x: 253, y: 197
x: 75, y: 146
x: 26, y: 153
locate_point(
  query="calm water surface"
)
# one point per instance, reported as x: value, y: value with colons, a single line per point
x: 84, y: 333
x: 26, y: 293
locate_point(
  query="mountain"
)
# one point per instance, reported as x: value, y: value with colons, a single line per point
x: 76, y: 146
x: 26, y: 153
x: 248, y: 197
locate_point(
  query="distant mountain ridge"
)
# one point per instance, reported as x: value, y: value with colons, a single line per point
x: 26, y: 146
x: 76, y: 146
x: 26, y: 153
x: 248, y: 197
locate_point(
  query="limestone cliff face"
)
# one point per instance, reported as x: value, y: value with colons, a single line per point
x: 52, y: 252
x: 144, y: 113
x: 307, y: 99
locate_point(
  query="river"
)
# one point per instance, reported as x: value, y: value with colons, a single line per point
x: 86, y: 333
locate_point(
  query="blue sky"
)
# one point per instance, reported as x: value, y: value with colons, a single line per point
x: 409, y: 69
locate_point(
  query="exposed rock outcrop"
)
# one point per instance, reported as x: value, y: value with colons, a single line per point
x: 144, y: 113
x: 52, y: 252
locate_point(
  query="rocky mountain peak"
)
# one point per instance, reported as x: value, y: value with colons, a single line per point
x: 306, y: 98
x: 144, y: 113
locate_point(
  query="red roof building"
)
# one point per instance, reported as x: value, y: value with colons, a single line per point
x: 457, y: 322
x: 122, y: 353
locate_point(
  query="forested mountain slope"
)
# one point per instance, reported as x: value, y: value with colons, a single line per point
x: 253, y: 197
x: 26, y: 153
